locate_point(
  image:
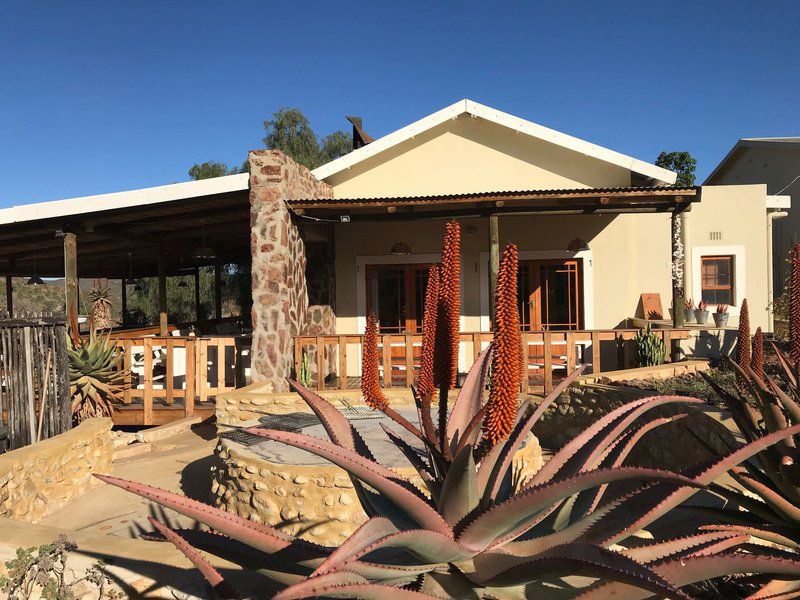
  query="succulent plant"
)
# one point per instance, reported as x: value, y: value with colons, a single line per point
x: 100, y: 299
x: 768, y: 488
x: 95, y: 376
x: 650, y: 349
x: 476, y: 530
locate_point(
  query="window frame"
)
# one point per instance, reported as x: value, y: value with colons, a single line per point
x: 731, y: 258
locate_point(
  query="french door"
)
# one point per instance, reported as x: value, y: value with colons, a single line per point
x: 550, y: 296
x: 396, y: 294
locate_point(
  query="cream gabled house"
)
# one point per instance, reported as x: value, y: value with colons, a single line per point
x: 592, y: 224
x: 596, y: 230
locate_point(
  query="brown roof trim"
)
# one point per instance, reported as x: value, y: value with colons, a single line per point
x: 612, y: 194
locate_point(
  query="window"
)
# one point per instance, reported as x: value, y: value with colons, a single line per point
x: 396, y: 294
x: 717, y: 279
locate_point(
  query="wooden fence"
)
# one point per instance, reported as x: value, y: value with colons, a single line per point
x: 34, y: 372
x: 551, y: 355
x: 178, y: 375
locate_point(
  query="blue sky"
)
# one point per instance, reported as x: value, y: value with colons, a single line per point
x: 99, y: 97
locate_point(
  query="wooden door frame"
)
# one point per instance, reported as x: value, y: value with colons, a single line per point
x: 413, y: 315
x: 534, y: 282
x: 587, y: 281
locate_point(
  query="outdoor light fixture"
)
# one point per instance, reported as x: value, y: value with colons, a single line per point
x: 35, y: 280
x: 400, y: 249
x: 203, y: 252
x: 344, y: 218
x: 578, y: 245
x: 183, y: 284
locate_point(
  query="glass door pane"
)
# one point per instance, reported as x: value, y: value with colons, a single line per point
x: 388, y: 299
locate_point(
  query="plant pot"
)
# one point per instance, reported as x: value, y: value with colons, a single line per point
x: 701, y: 316
x: 689, y: 316
x: 721, y: 319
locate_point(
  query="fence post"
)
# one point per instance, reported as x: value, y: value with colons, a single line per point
x: 547, y: 345
x: 320, y: 345
x: 409, y: 360
x: 596, y: 353
x: 169, y: 354
x: 342, y: 362
x: 191, y: 367
x: 387, y: 361
x: 147, y: 411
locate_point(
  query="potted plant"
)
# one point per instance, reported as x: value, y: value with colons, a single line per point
x: 689, y: 312
x: 701, y: 312
x: 721, y: 316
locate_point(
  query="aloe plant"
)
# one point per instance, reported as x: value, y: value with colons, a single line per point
x: 95, y: 377
x: 476, y: 530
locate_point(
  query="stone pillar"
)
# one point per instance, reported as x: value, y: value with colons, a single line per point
x: 280, y: 296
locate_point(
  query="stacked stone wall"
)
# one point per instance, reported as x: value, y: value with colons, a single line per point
x: 41, y: 478
x: 280, y: 295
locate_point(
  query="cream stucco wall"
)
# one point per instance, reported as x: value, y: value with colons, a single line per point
x: 630, y: 254
x: 473, y: 155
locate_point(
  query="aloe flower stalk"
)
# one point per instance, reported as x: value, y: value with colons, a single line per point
x: 370, y: 387
x: 448, y: 329
x: 757, y: 358
x: 743, y: 338
x: 506, y: 359
x: 426, y: 385
x: 794, y: 306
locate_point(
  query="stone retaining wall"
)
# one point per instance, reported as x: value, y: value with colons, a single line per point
x: 674, y: 446
x: 41, y: 478
x: 316, y: 502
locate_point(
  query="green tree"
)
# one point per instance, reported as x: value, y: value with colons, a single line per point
x: 210, y: 169
x: 334, y: 145
x: 290, y: 132
x: 682, y: 163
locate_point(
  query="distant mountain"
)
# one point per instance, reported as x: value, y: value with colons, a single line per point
x: 49, y: 297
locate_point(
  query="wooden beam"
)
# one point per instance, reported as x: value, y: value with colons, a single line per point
x: 162, y: 294
x: 494, y: 258
x: 71, y: 274
x: 218, y: 290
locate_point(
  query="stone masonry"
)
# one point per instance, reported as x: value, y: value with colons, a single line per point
x: 41, y: 478
x: 280, y: 296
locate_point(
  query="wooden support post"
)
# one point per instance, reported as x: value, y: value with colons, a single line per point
x: 162, y: 294
x: 124, y: 305
x: 494, y: 260
x: 71, y: 274
x: 678, y: 238
x: 197, y: 293
x: 218, y: 290
x: 169, y: 354
x: 10, y: 287
x: 569, y: 340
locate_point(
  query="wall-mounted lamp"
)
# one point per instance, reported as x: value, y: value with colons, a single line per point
x: 578, y: 245
x: 400, y: 249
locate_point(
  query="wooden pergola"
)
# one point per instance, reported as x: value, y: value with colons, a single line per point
x: 159, y: 239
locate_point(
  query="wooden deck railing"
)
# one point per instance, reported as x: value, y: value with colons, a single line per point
x: 550, y: 355
x: 188, y: 369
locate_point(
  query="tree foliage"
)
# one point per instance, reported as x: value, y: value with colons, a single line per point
x: 682, y: 163
x: 210, y: 169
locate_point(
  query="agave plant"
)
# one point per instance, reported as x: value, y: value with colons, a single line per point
x: 95, y: 377
x: 476, y: 530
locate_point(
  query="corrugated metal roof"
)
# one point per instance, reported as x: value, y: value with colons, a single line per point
x: 508, y: 194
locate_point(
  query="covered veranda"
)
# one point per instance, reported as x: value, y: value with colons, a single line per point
x: 552, y: 349
x: 176, y: 368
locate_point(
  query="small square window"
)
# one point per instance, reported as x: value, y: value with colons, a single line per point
x: 717, y: 279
